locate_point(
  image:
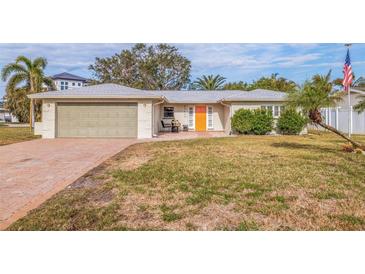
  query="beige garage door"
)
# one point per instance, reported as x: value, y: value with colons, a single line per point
x: 96, y: 120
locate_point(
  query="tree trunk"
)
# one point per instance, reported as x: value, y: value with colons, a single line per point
x: 339, y: 133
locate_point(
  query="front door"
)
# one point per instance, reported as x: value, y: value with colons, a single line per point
x: 200, y: 118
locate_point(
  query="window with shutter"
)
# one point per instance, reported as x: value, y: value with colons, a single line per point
x: 191, y: 117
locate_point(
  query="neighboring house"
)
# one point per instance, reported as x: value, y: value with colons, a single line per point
x: 64, y: 81
x: 5, y: 115
x: 338, y: 116
x: 111, y: 110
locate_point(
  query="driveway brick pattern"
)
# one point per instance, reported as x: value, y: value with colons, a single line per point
x: 33, y: 171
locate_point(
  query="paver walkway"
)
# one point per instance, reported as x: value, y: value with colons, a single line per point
x: 33, y: 171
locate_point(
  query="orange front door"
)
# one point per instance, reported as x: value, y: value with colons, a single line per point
x: 200, y: 118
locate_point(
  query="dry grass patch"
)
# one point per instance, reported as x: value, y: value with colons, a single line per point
x: 243, y: 183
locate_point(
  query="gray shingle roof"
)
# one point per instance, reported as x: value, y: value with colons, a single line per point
x: 68, y: 76
x: 171, y: 96
x: 258, y: 95
x: 98, y: 91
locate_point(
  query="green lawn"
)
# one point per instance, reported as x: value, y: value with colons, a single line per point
x: 243, y: 183
x: 10, y: 135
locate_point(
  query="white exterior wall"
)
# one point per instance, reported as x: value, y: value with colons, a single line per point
x: 355, y: 99
x: 156, y: 118
x: 145, y: 119
x: 181, y: 113
x: 70, y: 83
x: 227, y: 119
x: 253, y: 105
x: 47, y: 128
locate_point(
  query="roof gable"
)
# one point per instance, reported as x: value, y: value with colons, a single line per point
x: 68, y: 76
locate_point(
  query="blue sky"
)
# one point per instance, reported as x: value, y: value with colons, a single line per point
x: 236, y: 62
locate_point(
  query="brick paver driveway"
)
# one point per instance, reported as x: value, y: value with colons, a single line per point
x: 31, y: 172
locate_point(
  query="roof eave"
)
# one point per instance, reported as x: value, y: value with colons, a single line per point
x: 253, y: 100
x: 36, y: 96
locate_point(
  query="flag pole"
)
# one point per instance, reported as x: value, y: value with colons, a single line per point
x: 348, y: 89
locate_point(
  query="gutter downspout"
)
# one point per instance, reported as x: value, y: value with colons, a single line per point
x: 153, y: 115
x: 230, y: 113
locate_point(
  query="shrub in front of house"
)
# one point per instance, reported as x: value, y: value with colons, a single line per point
x: 258, y: 121
x: 262, y: 122
x: 242, y: 121
x: 291, y: 122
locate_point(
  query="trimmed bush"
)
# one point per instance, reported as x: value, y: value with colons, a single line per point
x: 257, y: 121
x: 242, y: 121
x: 262, y: 122
x: 291, y: 122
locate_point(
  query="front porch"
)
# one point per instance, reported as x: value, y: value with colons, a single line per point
x: 191, y: 118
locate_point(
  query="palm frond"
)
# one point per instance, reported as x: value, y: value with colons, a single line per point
x: 25, y: 60
x: 15, y: 80
x: 360, y: 107
x: 40, y: 63
x: 11, y: 68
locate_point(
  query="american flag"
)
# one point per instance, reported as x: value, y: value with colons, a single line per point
x: 347, y: 72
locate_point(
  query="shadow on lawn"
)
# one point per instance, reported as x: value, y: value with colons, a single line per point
x: 304, y: 146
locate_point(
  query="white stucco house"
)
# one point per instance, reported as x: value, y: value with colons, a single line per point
x: 111, y: 110
x: 65, y: 80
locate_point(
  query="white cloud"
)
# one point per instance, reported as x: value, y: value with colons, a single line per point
x: 234, y: 61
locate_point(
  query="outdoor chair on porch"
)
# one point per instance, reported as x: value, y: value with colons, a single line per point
x: 175, y: 126
x: 166, y: 125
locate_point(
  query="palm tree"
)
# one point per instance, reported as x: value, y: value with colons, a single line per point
x: 209, y: 82
x: 360, y: 106
x: 317, y: 94
x: 359, y: 83
x: 24, y: 77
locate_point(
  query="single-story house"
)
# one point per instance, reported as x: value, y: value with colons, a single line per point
x: 111, y: 110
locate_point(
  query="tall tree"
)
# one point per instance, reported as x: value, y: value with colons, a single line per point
x: 317, y: 94
x: 152, y: 67
x: 24, y: 77
x: 236, y: 86
x: 210, y: 82
x: 274, y: 83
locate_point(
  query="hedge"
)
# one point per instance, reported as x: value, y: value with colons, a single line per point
x: 258, y: 121
x: 291, y: 122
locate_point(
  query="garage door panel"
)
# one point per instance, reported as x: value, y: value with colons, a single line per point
x: 96, y: 120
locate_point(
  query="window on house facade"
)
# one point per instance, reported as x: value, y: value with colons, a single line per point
x: 73, y: 83
x: 274, y: 110
x: 282, y: 108
x: 210, y: 117
x: 168, y: 112
x: 191, y: 118
x: 79, y: 84
x: 64, y: 85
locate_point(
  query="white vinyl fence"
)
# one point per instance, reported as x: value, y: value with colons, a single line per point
x: 339, y: 118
